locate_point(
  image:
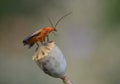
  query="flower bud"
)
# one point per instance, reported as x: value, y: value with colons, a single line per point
x: 51, y: 60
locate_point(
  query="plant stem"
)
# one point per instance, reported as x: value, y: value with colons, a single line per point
x: 66, y: 80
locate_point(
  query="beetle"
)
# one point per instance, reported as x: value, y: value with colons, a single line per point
x: 42, y: 34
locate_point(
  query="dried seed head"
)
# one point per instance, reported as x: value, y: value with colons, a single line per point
x: 51, y: 60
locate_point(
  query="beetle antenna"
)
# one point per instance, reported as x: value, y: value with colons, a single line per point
x: 50, y: 22
x: 62, y: 18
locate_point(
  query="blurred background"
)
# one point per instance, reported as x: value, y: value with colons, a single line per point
x: 89, y: 38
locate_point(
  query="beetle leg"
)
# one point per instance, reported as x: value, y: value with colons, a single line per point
x: 47, y: 39
x: 37, y: 46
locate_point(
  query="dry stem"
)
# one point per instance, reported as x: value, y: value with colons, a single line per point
x: 66, y: 80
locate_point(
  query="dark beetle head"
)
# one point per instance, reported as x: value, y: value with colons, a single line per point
x: 55, y: 29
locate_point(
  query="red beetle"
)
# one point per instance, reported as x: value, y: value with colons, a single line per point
x: 41, y: 34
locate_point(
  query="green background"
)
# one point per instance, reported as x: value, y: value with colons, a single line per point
x: 89, y: 38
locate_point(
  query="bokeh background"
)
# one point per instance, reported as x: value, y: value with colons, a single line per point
x: 89, y: 39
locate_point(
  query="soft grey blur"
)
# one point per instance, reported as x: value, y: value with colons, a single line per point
x: 89, y: 39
